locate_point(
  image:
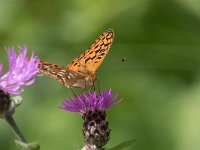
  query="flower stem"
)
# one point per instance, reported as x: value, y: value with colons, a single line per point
x: 9, y: 119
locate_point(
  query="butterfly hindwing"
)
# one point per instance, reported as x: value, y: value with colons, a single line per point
x: 59, y: 73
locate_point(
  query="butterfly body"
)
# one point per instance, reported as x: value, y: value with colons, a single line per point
x: 81, y: 73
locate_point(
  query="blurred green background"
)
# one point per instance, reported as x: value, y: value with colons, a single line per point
x: 160, y: 80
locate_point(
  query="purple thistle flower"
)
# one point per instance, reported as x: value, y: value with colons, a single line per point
x: 93, y: 108
x: 21, y: 72
x: 91, y: 101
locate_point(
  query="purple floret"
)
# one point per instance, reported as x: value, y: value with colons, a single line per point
x: 90, y: 101
x: 22, y: 71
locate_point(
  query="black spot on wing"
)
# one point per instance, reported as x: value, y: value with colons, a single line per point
x: 90, y: 58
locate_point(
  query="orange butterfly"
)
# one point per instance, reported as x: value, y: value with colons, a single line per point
x: 81, y: 72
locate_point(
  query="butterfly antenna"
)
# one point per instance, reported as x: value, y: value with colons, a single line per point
x: 123, y: 59
x: 94, y: 85
x: 115, y: 65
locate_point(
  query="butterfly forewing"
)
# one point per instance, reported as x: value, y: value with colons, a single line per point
x: 91, y: 59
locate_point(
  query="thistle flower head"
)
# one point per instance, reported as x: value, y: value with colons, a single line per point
x: 93, y: 108
x: 21, y: 71
x: 90, y: 101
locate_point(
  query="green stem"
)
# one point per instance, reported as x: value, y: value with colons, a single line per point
x: 9, y: 119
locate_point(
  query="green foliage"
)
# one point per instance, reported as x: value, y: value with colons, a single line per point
x: 160, y: 79
x: 25, y: 146
x: 123, y: 145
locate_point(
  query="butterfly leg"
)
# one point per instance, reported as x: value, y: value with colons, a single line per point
x: 94, y: 85
x: 82, y: 92
x: 73, y: 92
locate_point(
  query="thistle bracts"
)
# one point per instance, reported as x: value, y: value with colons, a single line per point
x: 4, y: 102
x: 95, y: 128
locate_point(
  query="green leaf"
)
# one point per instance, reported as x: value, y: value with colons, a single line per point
x: 123, y: 145
x: 27, y: 146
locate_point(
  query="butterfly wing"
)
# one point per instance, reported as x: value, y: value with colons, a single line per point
x: 61, y: 74
x: 91, y: 59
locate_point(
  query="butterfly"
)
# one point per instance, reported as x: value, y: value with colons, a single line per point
x: 81, y: 72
